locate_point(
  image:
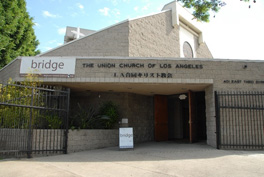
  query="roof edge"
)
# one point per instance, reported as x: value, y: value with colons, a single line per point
x: 116, y: 24
x: 18, y: 58
x: 168, y: 58
x: 151, y: 14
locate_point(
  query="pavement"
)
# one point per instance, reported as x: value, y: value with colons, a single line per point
x: 154, y: 159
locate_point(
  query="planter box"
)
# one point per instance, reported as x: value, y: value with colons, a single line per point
x: 81, y: 140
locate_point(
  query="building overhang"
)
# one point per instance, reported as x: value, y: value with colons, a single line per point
x: 146, y: 76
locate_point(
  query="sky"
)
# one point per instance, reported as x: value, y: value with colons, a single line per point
x: 236, y: 31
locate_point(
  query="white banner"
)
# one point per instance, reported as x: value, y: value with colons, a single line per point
x: 48, y: 65
x: 126, y: 138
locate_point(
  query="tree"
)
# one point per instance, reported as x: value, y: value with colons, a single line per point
x: 202, y: 8
x: 17, y: 36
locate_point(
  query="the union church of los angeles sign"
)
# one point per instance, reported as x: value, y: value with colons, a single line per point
x: 161, y: 73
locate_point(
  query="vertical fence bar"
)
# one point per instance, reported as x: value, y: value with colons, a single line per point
x: 218, y: 125
x: 47, y: 129
x: 262, y: 119
x: 66, y: 121
x: 43, y: 128
x: 29, y: 143
x: 221, y: 102
x: 255, y: 120
x: 25, y: 131
x: 251, y: 121
x: 234, y: 101
x: 259, y: 119
x: 242, y: 120
x: 233, y: 128
x: 247, y: 120
x: 239, y: 122
x: 229, y: 121
x: 238, y: 113
x: 53, y: 144
x: 226, y: 121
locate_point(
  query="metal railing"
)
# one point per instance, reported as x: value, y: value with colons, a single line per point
x: 240, y: 120
x: 33, y: 120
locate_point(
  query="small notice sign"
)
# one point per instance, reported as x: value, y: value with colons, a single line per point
x: 126, y: 138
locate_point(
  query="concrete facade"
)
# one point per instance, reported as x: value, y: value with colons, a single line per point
x: 80, y: 140
x: 150, y: 36
x: 154, y: 36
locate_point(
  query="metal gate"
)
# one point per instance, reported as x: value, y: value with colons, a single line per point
x: 33, y: 120
x: 240, y: 120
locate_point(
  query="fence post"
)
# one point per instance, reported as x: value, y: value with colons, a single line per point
x: 29, y: 143
x: 217, y: 116
x: 67, y: 122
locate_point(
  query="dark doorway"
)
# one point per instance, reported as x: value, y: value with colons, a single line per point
x: 161, y: 117
x: 201, y: 116
x: 186, y: 117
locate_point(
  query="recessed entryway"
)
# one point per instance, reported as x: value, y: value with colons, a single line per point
x: 180, y: 117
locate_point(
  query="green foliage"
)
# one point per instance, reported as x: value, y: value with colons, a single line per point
x: 85, y: 119
x: 202, y: 8
x: 13, y: 117
x: 89, y: 118
x: 110, y: 114
x: 18, y: 116
x: 54, y: 121
x: 17, y: 37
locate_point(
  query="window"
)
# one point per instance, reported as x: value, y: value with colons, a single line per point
x: 187, y: 50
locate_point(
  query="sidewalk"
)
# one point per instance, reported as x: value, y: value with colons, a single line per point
x: 147, y: 159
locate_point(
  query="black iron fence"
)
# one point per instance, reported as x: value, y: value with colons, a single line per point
x: 33, y: 120
x: 240, y: 120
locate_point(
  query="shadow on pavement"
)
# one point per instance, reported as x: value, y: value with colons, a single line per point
x: 150, y: 151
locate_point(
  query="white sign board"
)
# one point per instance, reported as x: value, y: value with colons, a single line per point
x: 48, y: 65
x: 126, y: 138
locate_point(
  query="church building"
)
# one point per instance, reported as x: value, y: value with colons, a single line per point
x: 160, y: 72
